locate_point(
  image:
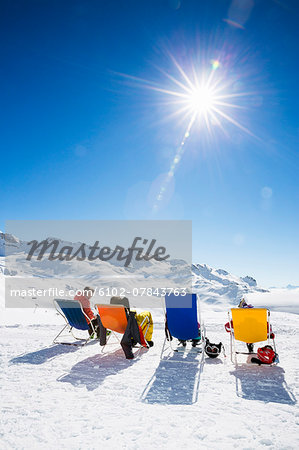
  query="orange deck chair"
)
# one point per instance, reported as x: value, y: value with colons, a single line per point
x: 114, y: 318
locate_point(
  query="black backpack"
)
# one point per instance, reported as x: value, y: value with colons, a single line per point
x: 213, y: 350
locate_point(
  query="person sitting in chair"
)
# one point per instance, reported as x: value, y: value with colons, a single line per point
x: 84, y: 300
x: 229, y: 325
x: 244, y: 304
x: 144, y: 319
x: 195, y: 341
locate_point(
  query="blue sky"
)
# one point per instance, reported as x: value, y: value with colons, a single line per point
x: 80, y: 141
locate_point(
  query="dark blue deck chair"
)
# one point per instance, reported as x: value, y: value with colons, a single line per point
x: 183, y: 322
x: 74, y: 316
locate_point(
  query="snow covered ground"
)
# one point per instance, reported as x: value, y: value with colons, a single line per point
x: 55, y: 396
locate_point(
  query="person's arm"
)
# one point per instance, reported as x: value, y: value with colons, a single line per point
x: 88, y: 311
x: 86, y: 308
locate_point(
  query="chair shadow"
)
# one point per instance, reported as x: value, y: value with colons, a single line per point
x: 92, y: 371
x: 45, y: 354
x: 264, y: 383
x: 174, y: 382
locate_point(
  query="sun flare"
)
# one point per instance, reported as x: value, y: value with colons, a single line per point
x: 205, y: 95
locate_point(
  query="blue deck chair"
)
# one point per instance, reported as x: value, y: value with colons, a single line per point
x: 182, y: 320
x: 74, y: 316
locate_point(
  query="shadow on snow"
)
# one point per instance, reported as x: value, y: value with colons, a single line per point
x: 264, y: 383
x: 175, y: 382
x: 45, y: 354
x: 92, y: 371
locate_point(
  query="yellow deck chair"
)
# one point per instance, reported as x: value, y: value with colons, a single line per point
x: 249, y: 325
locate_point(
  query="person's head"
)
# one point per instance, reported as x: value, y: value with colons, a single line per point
x: 242, y: 303
x: 88, y: 292
x: 123, y: 301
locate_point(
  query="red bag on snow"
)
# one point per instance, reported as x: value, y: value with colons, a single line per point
x: 266, y: 354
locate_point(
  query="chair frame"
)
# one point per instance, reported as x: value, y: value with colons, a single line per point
x: 199, y: 350
x: 70, y: 328
x: 233, y: 340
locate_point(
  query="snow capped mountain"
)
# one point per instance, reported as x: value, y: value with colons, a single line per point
x: 7, y: 239
x: 215, y: 286
x: 218, y: 286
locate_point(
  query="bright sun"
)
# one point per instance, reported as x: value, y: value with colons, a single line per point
x: 201, y: 100
x: 200, y: 97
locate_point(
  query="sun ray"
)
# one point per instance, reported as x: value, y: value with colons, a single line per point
x: 228, y: 105
x: 180, y: 69
x: 236, y: 95
x: 234, y: 122
x: 167, y: 91
x: 177, y: 82
x: 207, y: 121
x: 178, y: 155
x: 219, y: 124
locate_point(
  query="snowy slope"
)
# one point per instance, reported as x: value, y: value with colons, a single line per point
x: 55, y: 396
x: 61, y: 397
